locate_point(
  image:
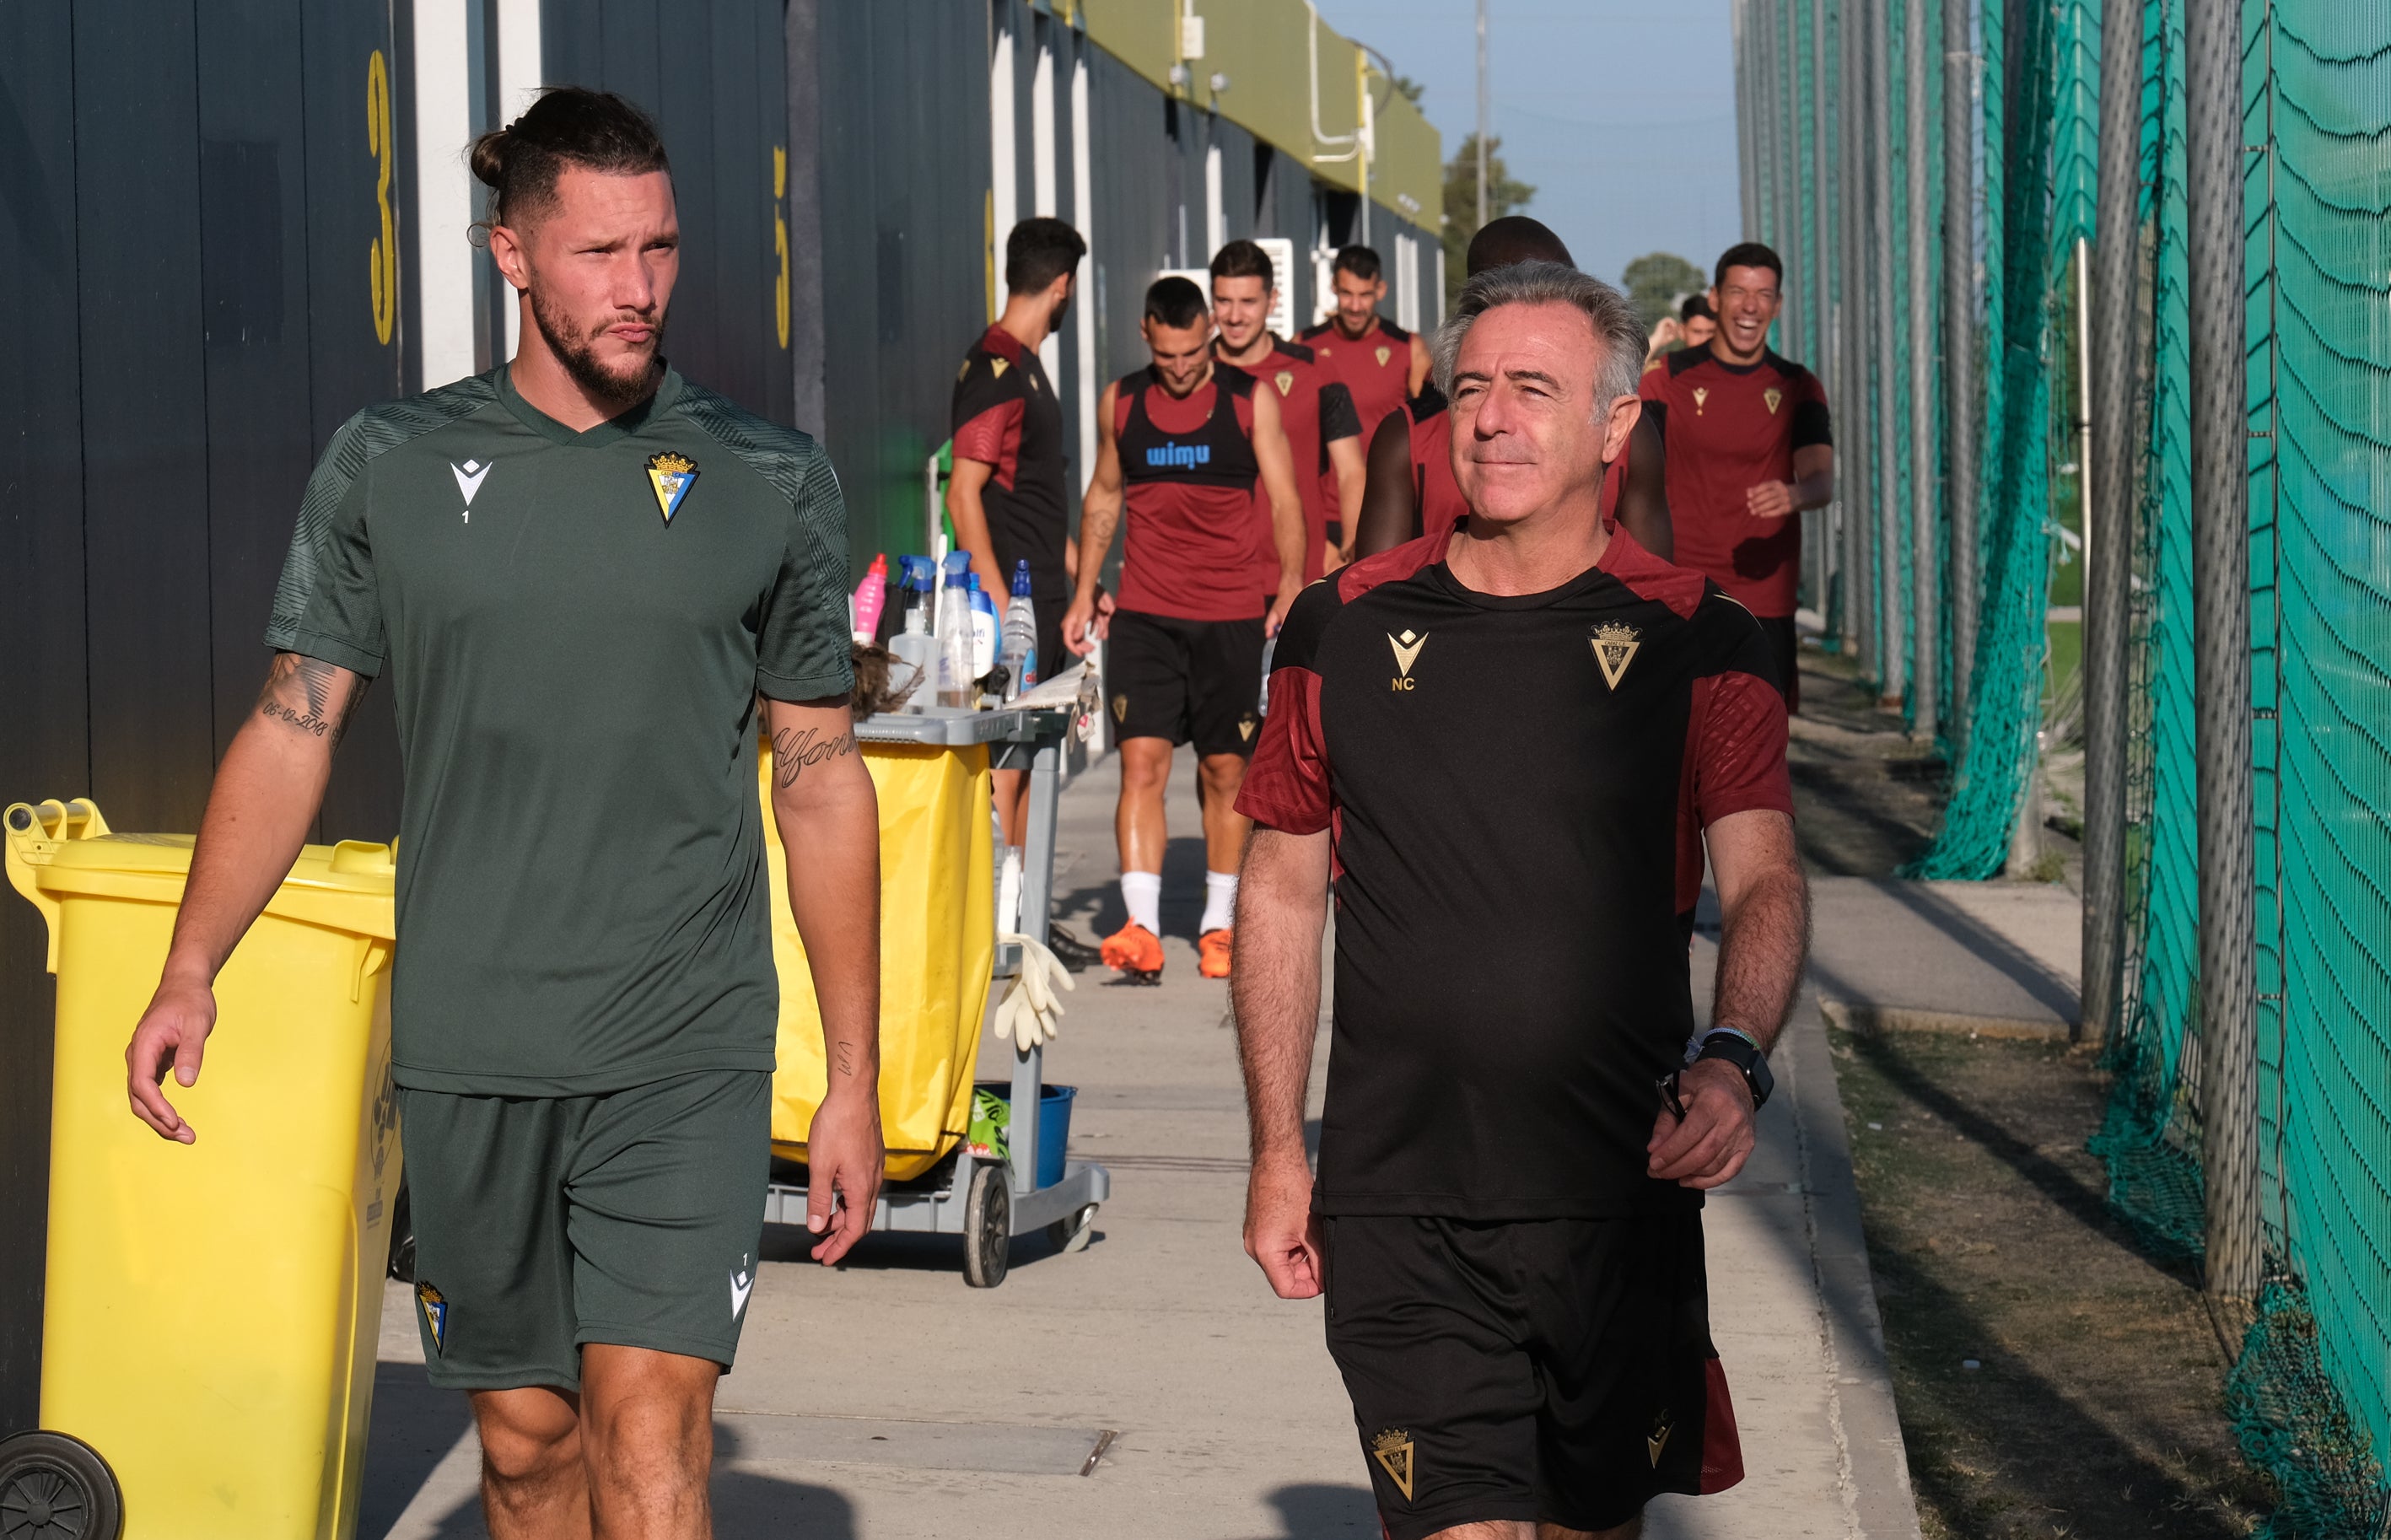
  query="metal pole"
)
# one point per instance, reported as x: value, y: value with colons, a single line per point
x: 1747, y: 131
x: 1859, y: 504
x: 2221, y: 597
x: 1959, y: 348
x: 1925, y: 595
x: 1763, y: 136
x: 1482, y: 114
x: 1892, y: 654
x: 2108, y: 544
x: 1793, y: 324
x: 1819, y: 554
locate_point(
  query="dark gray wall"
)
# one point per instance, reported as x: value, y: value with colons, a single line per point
x: 187, y: 204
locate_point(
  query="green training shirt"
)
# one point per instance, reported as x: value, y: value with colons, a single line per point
x: 576, y: 626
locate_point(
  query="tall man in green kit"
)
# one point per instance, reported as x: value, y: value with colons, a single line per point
x: 584, y: 577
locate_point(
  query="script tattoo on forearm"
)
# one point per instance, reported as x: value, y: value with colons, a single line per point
x: 793, y: 750
x: 304, y: 693
x: 847, y: 1059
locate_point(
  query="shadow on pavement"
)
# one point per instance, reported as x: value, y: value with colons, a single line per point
x: 415, y: 1424
x: 1307, y: 1509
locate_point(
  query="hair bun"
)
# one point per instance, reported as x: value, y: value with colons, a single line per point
x: 488, y: 157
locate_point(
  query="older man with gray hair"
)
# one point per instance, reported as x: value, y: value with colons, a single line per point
x: 1510, y: 746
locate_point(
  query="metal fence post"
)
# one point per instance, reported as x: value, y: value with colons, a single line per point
x: 1747, y: 132
x: 2108, y: 579
x: 1858, y: 505
x: 1925, y: 586
x: 1959, y: 348
x: 1892, y: 649
x: 2221, y: 597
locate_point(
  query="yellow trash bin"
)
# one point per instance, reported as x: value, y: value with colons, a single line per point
x: 937, y: 948
x: 212, y: 1310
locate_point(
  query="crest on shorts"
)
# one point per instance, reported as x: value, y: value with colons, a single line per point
x: 1283, y: 380
x: 434, y: 1310
x: 1392, y: 1450
x: 1657, y: 1439
x: 670, y: 475
x: 1246, y: 725
x: 1614, y: 648
x: 1384, y: 353
x: 1701, y: 394
x: 1120, y: 708
x: 1772, y: 396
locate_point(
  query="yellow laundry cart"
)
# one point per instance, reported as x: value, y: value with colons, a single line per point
x: 938, y: 953
x: 212, y: 1310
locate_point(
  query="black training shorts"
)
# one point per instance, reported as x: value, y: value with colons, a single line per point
x: 1192, y: 682
x: 1555, y: 1370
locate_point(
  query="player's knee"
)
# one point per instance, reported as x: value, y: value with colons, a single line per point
x: 649, y: 1442
x: 525, y: 1441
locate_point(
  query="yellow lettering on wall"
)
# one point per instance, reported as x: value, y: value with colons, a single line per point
x: 379, y: 137
x: 781, y: 240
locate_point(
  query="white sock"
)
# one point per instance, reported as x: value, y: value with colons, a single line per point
x: 1141, y: 892
x: 1220, y: 901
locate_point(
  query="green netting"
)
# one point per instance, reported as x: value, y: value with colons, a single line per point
x: 2311, y: 1394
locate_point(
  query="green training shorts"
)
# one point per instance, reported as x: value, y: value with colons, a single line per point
x: 546, y: 1222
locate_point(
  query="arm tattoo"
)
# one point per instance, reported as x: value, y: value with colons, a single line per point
x: 847, y: 1059
x: 794, y: 750
x: 306, y: 693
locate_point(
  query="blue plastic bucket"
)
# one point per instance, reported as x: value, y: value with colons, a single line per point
x: 1053, y: 1125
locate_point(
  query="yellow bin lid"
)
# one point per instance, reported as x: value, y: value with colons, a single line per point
x: 57, y: 847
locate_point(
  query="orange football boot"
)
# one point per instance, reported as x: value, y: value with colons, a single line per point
x: 1212, y: 949
x: 1135, y: 953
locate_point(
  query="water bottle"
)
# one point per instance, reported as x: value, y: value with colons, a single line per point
x: 1018, y: 651
x: 983, y: 630
x: 953, y: 631
x: 914, y: 645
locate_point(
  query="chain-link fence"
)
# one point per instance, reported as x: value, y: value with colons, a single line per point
x: 1837, y: 177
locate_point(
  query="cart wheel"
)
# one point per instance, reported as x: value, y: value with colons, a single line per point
x: 1073, y: 1232
x: 988, y: 1225
x: 53, y: 1487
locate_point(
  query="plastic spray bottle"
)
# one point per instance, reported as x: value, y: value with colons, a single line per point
x: 983, y: 630
x: 914, y: 646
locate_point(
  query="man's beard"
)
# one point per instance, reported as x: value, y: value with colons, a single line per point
x: 1355, y: 333
x: 580, y: 358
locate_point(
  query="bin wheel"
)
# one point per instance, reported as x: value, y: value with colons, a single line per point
x: 1073, y: 1232
x: 987, y: 1226
x: 53, y: 1487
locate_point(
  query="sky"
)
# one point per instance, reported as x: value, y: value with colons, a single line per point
x: 1621, y: 115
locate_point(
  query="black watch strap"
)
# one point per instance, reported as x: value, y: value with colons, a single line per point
x: 1739, y: 1051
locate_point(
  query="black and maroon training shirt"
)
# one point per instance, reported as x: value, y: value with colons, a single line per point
x: 1005, y: 415
x: 1517, y: 789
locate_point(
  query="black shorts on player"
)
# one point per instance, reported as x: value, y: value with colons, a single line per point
x: 1192, y: 682
x: 1563, y: 1372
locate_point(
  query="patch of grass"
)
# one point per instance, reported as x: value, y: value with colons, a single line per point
x: 2097, y: 1405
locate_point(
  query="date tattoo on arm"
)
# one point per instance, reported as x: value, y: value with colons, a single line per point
x: 794, y: 750
x: 306, y: 693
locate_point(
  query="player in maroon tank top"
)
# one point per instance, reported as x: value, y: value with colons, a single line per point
x: 1382, y: 363
x: 1197, y: 453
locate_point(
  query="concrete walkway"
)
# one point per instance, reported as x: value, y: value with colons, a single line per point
x: 2000, y: 958
x: 887, y: 1400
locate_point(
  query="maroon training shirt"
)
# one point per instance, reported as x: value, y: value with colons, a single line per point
x: 1729, y: 428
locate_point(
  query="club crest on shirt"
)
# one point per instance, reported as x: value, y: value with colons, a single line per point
x: 1614, y: 649
x: 669, y: 476
x: 1384, y: 353
x: 1657, y: 1439
x: 435, y: 1316
x: 1283, y: 380
x: 1392, y: 1450
x: 1772, y: 396
x: 1701, y: 394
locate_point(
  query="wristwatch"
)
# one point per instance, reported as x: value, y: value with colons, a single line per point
x: 1726, y: 1043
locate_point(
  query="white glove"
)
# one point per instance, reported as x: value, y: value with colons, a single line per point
x: 1029, y: 1008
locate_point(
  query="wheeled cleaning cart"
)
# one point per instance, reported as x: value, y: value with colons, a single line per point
x: 211, y: 1311
x: 938, y: 956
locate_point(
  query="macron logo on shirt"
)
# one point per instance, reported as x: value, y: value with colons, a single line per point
x: 1185, y: 456
x: 470, y: 476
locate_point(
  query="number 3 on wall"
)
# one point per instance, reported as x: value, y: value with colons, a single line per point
x: 384, y: 255
x: 781, y: 240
